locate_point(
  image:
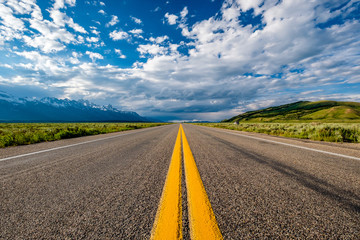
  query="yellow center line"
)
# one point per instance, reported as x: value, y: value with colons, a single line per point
x: 203, y: 224
x: 168, y: 220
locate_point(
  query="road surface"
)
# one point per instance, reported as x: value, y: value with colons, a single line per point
x: 110, y: 186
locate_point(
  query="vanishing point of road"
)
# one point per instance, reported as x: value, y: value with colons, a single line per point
x: 173, y: 182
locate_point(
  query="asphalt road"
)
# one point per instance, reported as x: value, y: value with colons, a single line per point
x: 110, y: 186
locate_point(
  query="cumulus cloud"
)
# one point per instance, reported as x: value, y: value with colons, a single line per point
x: 96, y: 32
x: 43, y: 63
x: 60, y: 19
x: 119, y: 35
x: 184, y: 12
x: 171, y: 18
x: 11, y: 27
x: 159, y: 39
x: 6, y: 66
x: 136, y: 20
x: 92, y: 39
x: 50, y: 36
x: 94, y: 55
x: 118, y: 52
x: 152, y: 49
x: 114, y: 20
x: 136, y: 31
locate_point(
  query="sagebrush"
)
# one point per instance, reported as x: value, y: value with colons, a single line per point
x: 330, y: 132
x: 13, y: 134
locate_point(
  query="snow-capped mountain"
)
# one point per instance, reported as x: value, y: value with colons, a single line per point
x: 48, y: 109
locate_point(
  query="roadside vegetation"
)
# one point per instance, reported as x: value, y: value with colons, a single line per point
x: 13, y: 134
x: 330, y: 132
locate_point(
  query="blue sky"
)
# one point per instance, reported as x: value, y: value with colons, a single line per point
x: 181, y: 60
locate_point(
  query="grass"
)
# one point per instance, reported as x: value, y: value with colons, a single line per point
x: 330, y: 132
x: 13, y: 134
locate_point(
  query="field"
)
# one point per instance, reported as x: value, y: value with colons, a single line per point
x: 13, y: 134
x: 330, y: 132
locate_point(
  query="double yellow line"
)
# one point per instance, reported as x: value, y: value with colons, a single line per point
x: 168, y: 220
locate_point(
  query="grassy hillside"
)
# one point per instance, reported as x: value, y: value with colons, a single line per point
x: 304, y: 111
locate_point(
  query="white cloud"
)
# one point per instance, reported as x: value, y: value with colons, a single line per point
x: 118, y: 35
x: 118, y: 51
x: 42, y: 63
x: 136, y: 20
x: 75, y: 86
x: 20, y: 7
x: 92, y: 39
x: 50, y: 36
x: 114, y: 20
x: 75, y: 58
x: 10, y: 26
x: 310, y: 92
x: 75, y: 26
x: 136, y: 31
x: 159, y: 39
x: 184, y: 12
x: 260, y: 104
x: 58, y: 4
x: 152, y: 49
x: 102, y: 3
x: 102, y: 12
x: 58, y: 17
x: 94, y: 55
x: 72, y: 3
x: 96, y: 32
x: 21, y: 80
x: 171, y: 18
x: 6, y: 66
x: 80, y: 39
x: 76, y: 54
x: 45, y: 44
x: 8, y: 19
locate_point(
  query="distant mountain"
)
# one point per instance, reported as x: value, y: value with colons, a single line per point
x: 14, y: 109
x: 326, y: 111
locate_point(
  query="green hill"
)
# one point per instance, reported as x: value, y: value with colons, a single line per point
x: 303, y: 111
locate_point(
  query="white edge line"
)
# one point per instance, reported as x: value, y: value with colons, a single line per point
x: 290, y: 145
x: 71, y: 145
